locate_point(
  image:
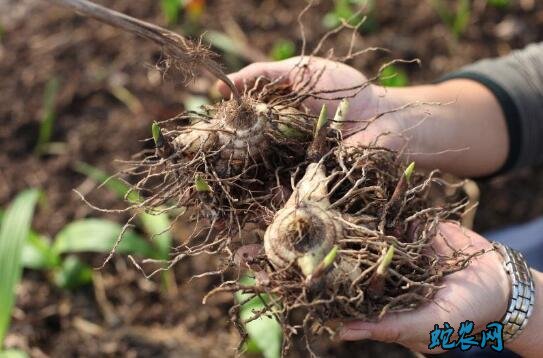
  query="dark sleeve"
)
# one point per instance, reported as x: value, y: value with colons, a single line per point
x: 517, y: 82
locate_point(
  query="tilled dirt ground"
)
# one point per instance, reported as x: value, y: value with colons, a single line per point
x: 96, y: 123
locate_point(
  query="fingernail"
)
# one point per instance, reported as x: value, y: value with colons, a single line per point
x: 354, y: 334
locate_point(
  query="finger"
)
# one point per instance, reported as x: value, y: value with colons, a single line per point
x: 393, y: 327
x: 451, y: 237
x: 415, y: 326
x: 248, y: 75
x: 398, y: 327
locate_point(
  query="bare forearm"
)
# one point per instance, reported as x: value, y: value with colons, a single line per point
x: 463, y: 131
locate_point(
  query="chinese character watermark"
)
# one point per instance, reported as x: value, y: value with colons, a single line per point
x: 492, y: 336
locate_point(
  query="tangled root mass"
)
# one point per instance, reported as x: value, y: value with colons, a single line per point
x: 265, y: 164
x: 377, y: 220
x: 347, y: 231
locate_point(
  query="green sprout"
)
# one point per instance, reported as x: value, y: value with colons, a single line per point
x: 409, y: 171
x: 201, y: 185
x: 157, y: 134
x: 386, y: 261
x: 341, y: 112
x: 330, y: 257
x: 323, y: 118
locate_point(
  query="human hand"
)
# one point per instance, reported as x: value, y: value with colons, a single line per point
x: 479, y: 293
x: 335, y: 76
x: 364, y: 101
x: 438, y: 126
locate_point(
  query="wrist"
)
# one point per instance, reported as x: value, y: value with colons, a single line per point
x: 503, y: 293
x: 529, y: 343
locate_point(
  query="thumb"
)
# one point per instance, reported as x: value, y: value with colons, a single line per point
x: 393, y: 327
x: 411, y: 329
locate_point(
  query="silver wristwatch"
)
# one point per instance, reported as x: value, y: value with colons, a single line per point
x: 522, y: 292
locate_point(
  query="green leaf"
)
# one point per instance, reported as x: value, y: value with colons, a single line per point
x: 73, y: 273
x: 462, y: 18
x: 115, y: 185
x: 264, y: 332
x: 282, y: 49
x: 158, y: 229
x: 13, y: 353
x: 331, y: 20
x: 48, y: 116
x: 222, y: 41
x: 37, y: 253
x: 458, y: 20
x: 194, y: 103
x: 345, y: 10
x: 13, y: 233
x: 500, y: 4
x: 170, y: 10
x: 391, y: 76
x: 153, y: 224
x: 290, y: 132
x: 444, y: 13
x: 201, y: 185
x: 250, y: 346
x: 98, y: 235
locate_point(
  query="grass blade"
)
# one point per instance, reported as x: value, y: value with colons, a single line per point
x: 48, y: 115
x: 13, y: 234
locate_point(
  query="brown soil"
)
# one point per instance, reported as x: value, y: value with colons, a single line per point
x: 92, y: 62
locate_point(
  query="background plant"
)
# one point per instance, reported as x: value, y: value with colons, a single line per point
x: 393, y: 76
x: 349, y: 10
x: 48, y: 116
x: 14, y: 230
x: 265, y: 334
x: 500, y: 4
x: 457, y: 20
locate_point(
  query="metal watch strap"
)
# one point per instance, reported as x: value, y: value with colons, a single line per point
x: 522, y: 292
